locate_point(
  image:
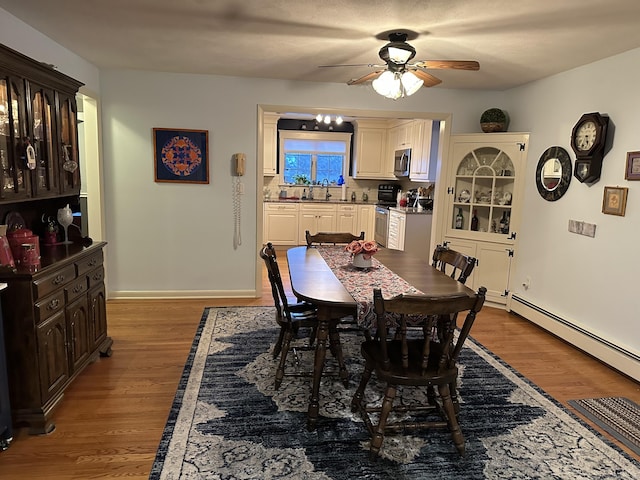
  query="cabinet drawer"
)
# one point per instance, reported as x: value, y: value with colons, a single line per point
x: 49, y: 305
x: 76, y: 288
x: 48, y: 284
x: 96, y: 277
x: 89, y: 263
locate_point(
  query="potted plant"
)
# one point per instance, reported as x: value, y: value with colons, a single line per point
x: 301, y: 179
x: 493, y: 120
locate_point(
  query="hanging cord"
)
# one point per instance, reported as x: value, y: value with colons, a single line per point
x: 237, y: 208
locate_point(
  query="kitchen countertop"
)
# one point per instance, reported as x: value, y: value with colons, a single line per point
x: 412, y: 210
x: 335, y: 202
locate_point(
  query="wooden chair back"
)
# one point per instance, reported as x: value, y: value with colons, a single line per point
x: 453, y: 263
x: 268, y: 254
x: 435, y: 314
x: 332, y: 238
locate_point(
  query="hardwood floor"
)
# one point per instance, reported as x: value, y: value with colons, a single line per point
x: 111, y: 419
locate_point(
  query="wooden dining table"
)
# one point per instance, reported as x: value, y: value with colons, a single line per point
x: 314, y: 281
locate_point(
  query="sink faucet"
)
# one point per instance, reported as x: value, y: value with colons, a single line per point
x: 325, y: 184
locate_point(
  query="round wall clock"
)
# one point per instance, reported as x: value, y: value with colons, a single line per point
x: 553, y: 173
x: 588, y: 141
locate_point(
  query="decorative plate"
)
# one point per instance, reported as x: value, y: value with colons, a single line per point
x: 464, y: 196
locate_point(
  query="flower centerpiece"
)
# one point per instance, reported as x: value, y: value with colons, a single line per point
x: 361, y: 252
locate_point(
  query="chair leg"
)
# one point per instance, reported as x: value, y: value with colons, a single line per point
x: 453, y: 387
x: 336, y: 349
x: 278, y: 346
x: 356, y: 401
x: 286, y: 344
x: 378, y: 434
x: 454, y: 426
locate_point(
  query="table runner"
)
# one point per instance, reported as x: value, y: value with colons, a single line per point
x: 361, y: 282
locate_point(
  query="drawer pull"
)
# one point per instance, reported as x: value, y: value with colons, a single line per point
x: 53, y: 304
x: 58, y: 279
x: 93, y: 262
x: 78, y: 288
x: 97, y: 276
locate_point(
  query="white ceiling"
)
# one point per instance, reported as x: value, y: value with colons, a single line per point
x: 515, y: 41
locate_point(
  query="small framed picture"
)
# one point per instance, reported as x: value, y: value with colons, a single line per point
x: 633, y: 166
x: 614, y: 201
x: 181, y: 155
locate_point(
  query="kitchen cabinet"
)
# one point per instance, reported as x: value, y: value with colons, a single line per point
x: 395, y: 235
x: 366, y: 221
x: 55, y: 325
x: 280, y: 223
x: 370, y: 154
x: 424, y: 153
x: 316, y: 218
x: 410, y: 232
x: 270, y: 144
x: 347, y: 219
x: 38, y: 130
x: 485, y: 179
x: 402, y: 135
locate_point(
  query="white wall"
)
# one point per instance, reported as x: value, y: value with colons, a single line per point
x: 177, y: 239
x: 589, y: 282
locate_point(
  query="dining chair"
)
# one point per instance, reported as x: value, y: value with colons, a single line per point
x: 290, y: 316
x: 331, y: 238
x: 453, y: 263
x: 415, y: 361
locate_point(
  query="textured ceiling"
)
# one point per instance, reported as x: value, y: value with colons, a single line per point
x: 515, y: 41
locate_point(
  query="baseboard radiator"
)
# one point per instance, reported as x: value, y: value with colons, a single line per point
x: 613, y: 355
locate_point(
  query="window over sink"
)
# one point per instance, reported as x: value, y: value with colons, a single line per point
x: 318, y: 156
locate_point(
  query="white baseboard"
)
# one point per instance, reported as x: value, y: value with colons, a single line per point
x: 180, y: 294
x: 613, y: 355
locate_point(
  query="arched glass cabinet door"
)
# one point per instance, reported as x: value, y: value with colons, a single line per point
x: 484, y: 184
x: 69, y: 166
x: 15, y: 178
x: 46, y: 177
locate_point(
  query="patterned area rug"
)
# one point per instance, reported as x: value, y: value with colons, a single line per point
x: 616, y: 415
x: 227, y: 422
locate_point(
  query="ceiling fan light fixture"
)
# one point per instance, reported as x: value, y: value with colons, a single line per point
x: 388, y: 85
x: 399, y: 56
x: 411, y: 83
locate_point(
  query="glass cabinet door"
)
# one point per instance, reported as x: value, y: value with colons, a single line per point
x: 14, y: 175
x: 69, y: 167
x: 46, y: 176
x: 484, y: 186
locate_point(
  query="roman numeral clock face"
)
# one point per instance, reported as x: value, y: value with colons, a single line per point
x: 586, y: 136
x: 588, y: 143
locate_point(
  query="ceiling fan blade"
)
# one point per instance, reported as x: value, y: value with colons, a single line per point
x: 371, y: 65
x: 454, y: 64
x: 428, y: 79
x: 365, y: 78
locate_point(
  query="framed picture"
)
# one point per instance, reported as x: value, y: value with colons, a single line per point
x: 614, y: 201
x: 181, y: 155
x: 633, y: 166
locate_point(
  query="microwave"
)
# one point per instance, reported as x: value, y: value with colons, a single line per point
x: 402, y: 158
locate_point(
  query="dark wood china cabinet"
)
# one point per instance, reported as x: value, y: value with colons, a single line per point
x: 55, y: 320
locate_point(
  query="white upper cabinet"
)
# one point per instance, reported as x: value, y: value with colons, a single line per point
x: 270, y: 144
x: 424, y: 151
x: 370, y: 156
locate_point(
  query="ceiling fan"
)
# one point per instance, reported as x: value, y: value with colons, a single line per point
x: 399, y: 78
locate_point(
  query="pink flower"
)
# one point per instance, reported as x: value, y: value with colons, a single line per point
x: 367, y: 248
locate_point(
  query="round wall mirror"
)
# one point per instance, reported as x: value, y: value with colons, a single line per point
x: 553, y: 173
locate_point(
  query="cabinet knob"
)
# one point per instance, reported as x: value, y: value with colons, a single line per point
x: 53, y: 304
